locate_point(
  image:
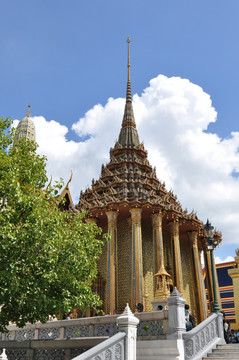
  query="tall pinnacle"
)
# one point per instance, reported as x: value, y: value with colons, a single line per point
x: 128, y: 136
x: 28, y: 111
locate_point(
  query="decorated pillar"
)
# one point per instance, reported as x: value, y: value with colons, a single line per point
x: 178, y: 275
x: 199, y: 285
x: 137, y: 261
x: 111, y: 262
x: 162, y: 278
x: 157, y: 241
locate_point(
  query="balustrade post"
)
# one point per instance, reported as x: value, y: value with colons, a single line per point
x: 176, y: 315
x: 127, y: 323
x: 30, y: 354
x: 220, y: 328
x: 3, y: 355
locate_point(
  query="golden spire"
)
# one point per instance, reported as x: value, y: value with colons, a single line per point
x: 128, y: 136
x: 28, y: 111
x: 128, y: 41
x: 128, y: 92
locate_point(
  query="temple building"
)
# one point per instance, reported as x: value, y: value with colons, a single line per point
x: 155, y: 244
x: 26, y: 128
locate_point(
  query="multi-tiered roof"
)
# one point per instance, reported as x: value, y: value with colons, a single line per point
x: 128, y: 179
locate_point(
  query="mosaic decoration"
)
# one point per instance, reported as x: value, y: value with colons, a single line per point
x: 150, y: 328
x: 57, y: 354
x: 16, y: 354
x: 22, y: 335
x: 105, y: 330
x: 76, y: 332
x: 76, y: 352
x: 52, y: 333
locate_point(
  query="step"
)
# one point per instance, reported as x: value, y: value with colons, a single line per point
x: 228, y: 346
x: 222, y: 358
x: 228, y: 353
x: 225, y: 351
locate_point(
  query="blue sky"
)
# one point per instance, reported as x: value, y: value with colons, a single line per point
x: 65, y: 57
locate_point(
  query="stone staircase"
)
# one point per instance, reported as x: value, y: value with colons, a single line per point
x: 224, y: 352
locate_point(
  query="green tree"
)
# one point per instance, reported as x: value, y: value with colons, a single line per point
x: 48, y: 257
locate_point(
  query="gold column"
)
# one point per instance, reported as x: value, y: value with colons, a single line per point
x: 178, y: 275
x: 200, y: 289
x: 137, y: 261
x: 111, y: 262
x: 157, y: 241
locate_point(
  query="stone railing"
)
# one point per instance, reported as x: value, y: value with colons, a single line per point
x: 179, y: 344
x: 151, y: 324
x: 76, y: 335
x: 202, y: 339
x: 112, y: 348
x: 121, y: 346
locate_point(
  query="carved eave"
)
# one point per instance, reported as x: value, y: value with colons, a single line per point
x: 217, y: 236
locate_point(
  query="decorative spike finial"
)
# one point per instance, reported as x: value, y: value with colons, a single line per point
x: 128, y: 136
x: 69, y: 179
x: 28, y: 111
x: 49, y: 183
x: 128, y: 65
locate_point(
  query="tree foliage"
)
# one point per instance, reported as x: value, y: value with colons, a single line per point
x: 47, y: 256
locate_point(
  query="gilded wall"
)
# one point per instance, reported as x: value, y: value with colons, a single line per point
x: 124, y: 264
x: 148, y: 270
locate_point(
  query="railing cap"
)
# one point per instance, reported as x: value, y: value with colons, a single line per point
x: 127, y: 318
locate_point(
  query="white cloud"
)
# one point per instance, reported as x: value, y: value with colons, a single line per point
x: 172, y: 115
x: 218, y: 260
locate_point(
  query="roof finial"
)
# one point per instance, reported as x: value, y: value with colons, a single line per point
x: 128, y: 41
x: 128, y: 136
x: 28, y: 111
x: 69, y: 179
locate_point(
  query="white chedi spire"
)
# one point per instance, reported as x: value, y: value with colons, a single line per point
x: 26, y: 128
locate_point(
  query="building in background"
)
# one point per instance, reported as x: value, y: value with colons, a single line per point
x: 228, y: 281
x: 234, y: 274
x: 226, y: 293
